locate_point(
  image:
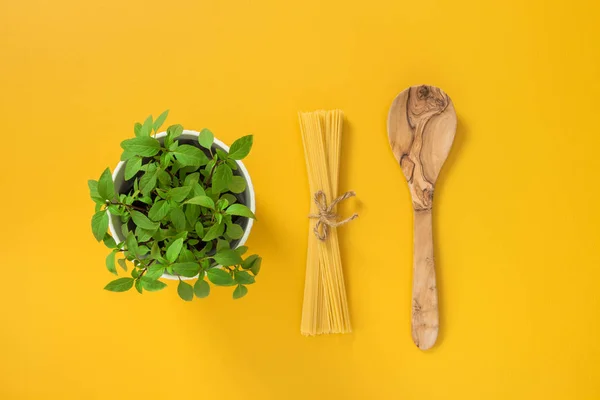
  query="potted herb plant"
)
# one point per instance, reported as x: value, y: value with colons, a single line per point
x: 180, y: 205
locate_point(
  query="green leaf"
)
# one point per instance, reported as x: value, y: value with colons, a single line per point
x: 174, y: 131
x: 241, y: 210
x: 151, y: 166
x: 206, y: 138
x: 240, y: 291
x: 209, y: 167
x: 137, y: 129
x: 148, y: 182
x: 174, y: 249
x: 229, y: 197
x: 155, y: 271
x: 191, y: 179
x: 143, y: 250
x: 206, y: 263
x: 186, y: 254
x: 255, y: 267
x: 159, y: 210
x: 189, y: 155
x: 221, y: 204
x: 110, y: 262
x: 183, y: 172
x: 145, y: 200
x: 214, y: 232
x: 165, y: 160
x: 221, y: 178
x: 164, y: 177
x: 185, y: 291
x: 199, y: 228
x: 126, y: 155
x: 122, y: 263
x: 132, y: 166
x: 132, y: 244
x: 152, y: 285
x: 241, y: 250
x: 219, y: 277
x: 143, y: 222
x: 146, y: 129
x: 248, y: 261
x: 232, y: 163
x: 178, y: 194
x: 106, y: 187
x: 203, y: 201
x: 138, y: 286
x: 160, y: 120
x: 162, y: 193
x: 155, y: 251
x: 221, y: 155
x: 181, y: 235
x: 143, y: 235
x: 187, y: 269
x: 227, y: 257
x: 243, y: 277
x: 222, y: 245
x: 234, y: 231
x: 100, y: 224
x: 109, y: 241
x: 119, y: 285
x: 124, y: 229
x: 144, y: 146
x: 115, y: 210
x: 241, y: 147
x: 192, y: 212
x: 197, y: 190
x: 237, y: 184
x: 178, y: 218
x: 201, y: 288
x: 174, y: 234
x: 93, y: 185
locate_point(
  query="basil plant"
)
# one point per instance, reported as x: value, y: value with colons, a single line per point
x: 181, y: 212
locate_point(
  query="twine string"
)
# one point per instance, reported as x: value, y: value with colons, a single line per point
x: 326, y: 216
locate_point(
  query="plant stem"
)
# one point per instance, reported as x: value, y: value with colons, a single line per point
x: 212, y: 170
x: 170, y: 173
x: 128, y: 206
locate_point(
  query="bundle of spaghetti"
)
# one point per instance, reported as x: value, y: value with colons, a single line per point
x: 325, y: 307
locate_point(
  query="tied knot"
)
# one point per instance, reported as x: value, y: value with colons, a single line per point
x: 326, y: 215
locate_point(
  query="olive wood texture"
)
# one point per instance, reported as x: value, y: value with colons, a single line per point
x: 421, y: 128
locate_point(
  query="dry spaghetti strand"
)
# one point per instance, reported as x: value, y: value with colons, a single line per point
x: 325, y: 307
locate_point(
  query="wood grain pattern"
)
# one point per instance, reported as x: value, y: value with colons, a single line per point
x: 421, y: 128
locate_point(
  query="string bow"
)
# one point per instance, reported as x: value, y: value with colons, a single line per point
x: 326, y: 215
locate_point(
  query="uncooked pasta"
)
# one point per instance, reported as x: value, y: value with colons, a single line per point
x: 325, y: 307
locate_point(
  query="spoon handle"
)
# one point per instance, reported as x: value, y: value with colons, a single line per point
x: 425, y: 317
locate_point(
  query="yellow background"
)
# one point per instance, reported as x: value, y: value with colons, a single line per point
x: 516, y: 215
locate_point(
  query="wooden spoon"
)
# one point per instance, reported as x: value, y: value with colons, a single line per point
x: 421, y: 128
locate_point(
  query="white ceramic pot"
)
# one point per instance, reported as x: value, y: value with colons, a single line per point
x: 191, y: 137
